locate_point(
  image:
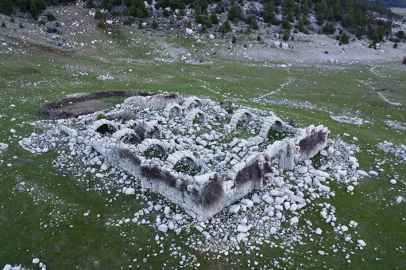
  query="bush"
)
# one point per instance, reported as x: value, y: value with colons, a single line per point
x: 258, y: 38
x: 165, y: 13
x: 306, y: 32
x: 3, y: 24
x: 225, y: 27
x: 214, y: 19
x: 234, y: 39
x: 254, y: 24
x: 101, y: 25
x: 98, y: 15
x: 12, y: 20
x: 154, y: 25
x: 344, y: 39
x: 21, y: 25
x: 50, y: 16
x: 286, y: 36
x: 395, y: 46
x: 199, y: 19
x: 329, y: 29
x: 209, y: 23
x: 404, y: 60
x: 101, y: 116
x: 235, y: 12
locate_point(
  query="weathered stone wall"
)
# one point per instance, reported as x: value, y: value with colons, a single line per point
x: 223, y: 177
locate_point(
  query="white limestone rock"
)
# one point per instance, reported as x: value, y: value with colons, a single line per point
x: 163, y: 228
x: 399, y: 199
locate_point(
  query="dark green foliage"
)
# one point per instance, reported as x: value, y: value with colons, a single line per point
x: 126, y: 153
x: 401, y: 34
x: 3, y: 24
x: 308, y: 144
x: 225, y: 27
x: 344, y: 39
x: 234, y: 39
x: 321, y: 9
x: 286, y: 35
x: 154, y: 25
x: 254, y: 24
x: 235, y: 12
x: 395, y: 46
x: 104, y: 129
x: 174, y: 4
x: 329, y: 29
x: 6, y: 7
x: 290, y: 17
x: 98, y: 15
x: 89, y: 4
x: 249, y: 173
x: 199, y: 19
x: 214, y: 19
x: 258, y: 38
x: 212, y: 192
x: 50, y: 16
x: 101, y: 24
x: 209, y: 23
x: 286, y: 25
x: 165, y: 13
x: 138, y: 9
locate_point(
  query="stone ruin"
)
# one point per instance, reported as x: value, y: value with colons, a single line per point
x: 189, y: 150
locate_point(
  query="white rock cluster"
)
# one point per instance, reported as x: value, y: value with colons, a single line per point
x: 349, y: 120
x: 397, y: 150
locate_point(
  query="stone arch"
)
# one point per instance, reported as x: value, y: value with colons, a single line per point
x: 271, y: 122
x: 238, y: 115
x: 104, y: 122
x: 179, y: 155
x: 190, y: 100
x: 173, y: 107
x: 147, y: 143
x: 192, y: 115
x: 121, y: 134
x: 154, y: 128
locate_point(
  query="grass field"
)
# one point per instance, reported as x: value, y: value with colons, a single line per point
x: 53, y: 197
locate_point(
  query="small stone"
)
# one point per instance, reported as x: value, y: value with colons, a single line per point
x: 318, y: 231
x: 393, y: 182
x: 163, y: 228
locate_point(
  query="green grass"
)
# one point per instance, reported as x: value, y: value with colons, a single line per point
x: 90, y: 244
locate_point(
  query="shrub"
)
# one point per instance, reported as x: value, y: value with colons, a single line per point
x: 286, y: 36
x: 225, y: 27
x: 404, y: 60
x: 254, y: 24
x: 344, y: 39
x: 101, y: 116
x: 12, y: 20
x: 209, y: 23
x: 235, y: 12
x: 154, y: 25
x: 234, y: 39
x: 50, y: 16
x: 21, y: 25
x: 3, y: 24
x: 98, y: 15
x: 101, y: 25
x: 41, y: 22
x: 395, y: 46
x: 329, y: 29
x: 214, y: 19
x: 306, y: 32
x: 165, y: 13
x: 199, y: 19
x: 258, y: 38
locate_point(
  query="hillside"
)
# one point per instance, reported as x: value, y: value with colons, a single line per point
x: 389, y: 3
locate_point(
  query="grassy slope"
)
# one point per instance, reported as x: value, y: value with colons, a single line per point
x: 89, y: 244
